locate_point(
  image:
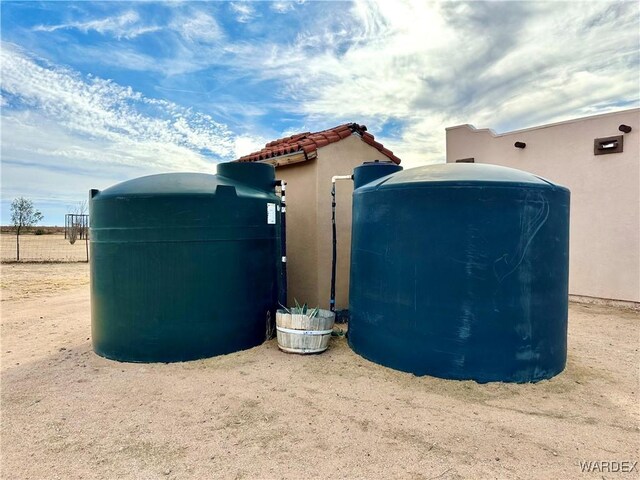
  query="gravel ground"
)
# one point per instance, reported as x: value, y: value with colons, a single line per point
x: 67, y: 413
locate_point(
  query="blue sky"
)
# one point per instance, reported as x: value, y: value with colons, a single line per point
x: 94, y: 93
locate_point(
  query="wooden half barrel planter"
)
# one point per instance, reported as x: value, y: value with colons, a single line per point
x: 300, y: 333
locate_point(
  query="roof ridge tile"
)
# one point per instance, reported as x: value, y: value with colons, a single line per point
x: 309, y: 142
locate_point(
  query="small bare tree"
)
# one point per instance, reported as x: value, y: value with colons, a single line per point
x: 23, y: 216
x: 78, y: 223
x: 72, y: 235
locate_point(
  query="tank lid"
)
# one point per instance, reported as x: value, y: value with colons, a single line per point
x: 377, y: 162
x: 371, y: 171
x: 172, y: 184
x: 464, y: 174
x: 257, y: 175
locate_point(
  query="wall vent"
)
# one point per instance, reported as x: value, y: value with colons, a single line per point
x: 606, y: 145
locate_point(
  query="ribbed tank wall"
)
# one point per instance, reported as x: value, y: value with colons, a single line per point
x: 461, y: 271
x: 184, y: 266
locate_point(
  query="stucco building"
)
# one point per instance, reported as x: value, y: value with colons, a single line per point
x: 307, y: 162
x: 598, y: 159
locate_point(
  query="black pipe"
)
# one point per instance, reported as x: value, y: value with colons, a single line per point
x: 332, y: 301
x: 86, y: 242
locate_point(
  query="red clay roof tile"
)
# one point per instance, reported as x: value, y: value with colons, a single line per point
x: 386, y: 152
x: 307, y: 149
x: 308, y: 142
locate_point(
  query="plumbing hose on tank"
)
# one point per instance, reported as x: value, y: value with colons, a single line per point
x: 283, y: 243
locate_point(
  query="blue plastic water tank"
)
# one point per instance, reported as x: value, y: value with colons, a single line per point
x: 461, y: 271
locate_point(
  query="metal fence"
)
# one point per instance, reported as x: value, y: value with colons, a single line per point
x: 76, y: 225
x: 43, y: 248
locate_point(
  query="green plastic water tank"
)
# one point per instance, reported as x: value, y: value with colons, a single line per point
x: 184, y: 265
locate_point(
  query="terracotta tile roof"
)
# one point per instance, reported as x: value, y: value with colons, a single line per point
x: 309, y: 142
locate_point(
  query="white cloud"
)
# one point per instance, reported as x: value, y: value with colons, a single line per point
x: 63, y: 133
x: 126, y: 25
x: 433, y: 65
x: 192, y: 24
x: 187, y: 40
x: 421, y: 65
x: 425, y: 66
x: 197, y: 26
x: 99, y: 108
x: 244, y: 11
x: 245, y: 144
x: 282, y: 7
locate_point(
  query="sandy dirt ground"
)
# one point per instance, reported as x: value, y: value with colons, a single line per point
x: 38, y: 248
x: 67, y: 413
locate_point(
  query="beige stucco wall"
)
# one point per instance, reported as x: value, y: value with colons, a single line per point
x: 309, y: 248
x: 338, y: 158
x: 302, y: 252
x: 605, y: 192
